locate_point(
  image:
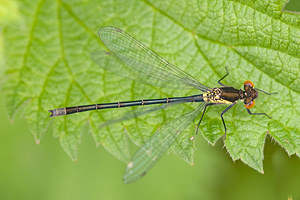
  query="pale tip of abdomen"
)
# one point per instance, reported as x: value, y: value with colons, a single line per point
x: 57, y: 112
x: 51, y: 111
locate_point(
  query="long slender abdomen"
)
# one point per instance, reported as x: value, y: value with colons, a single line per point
x: 76, y: 109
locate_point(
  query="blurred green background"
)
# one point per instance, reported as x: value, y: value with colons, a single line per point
x: 44, y: 171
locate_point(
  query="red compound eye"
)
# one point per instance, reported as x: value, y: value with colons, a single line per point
x: 249, y: 83
x: 250, y: 105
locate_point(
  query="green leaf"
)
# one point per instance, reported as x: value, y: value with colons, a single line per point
x: 48, y: 66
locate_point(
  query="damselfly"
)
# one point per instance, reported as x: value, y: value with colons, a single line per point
x: 144, y: 65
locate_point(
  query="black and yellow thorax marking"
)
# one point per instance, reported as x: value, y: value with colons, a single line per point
x: 224, y: 95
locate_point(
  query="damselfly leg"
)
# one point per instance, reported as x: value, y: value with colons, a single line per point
x: 219, y: 82
x: 251, y: 113
x: 209, y: 104
x: 224, y: 111
x: 266, y: 92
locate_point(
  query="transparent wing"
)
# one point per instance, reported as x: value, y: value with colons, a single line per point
x: 156, y: 146
x: 143, y: 64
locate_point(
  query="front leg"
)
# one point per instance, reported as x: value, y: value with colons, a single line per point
x: 258, y: 114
